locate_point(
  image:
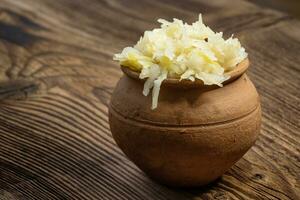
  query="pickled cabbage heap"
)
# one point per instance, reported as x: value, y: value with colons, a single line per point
x: 182, y: 51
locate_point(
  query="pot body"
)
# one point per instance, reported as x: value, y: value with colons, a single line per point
x: 193, y: 136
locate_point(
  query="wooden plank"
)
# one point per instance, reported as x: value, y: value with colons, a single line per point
x: 57, y: 75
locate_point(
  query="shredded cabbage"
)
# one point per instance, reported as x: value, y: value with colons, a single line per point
x: 182, y: 51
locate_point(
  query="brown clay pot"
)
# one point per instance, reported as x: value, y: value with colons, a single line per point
x: 196, y: 133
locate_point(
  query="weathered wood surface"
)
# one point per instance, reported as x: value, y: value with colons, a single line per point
x: 57, y: 75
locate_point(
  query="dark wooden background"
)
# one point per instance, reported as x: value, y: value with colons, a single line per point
x: 57, y: 75
x: 289, y: 6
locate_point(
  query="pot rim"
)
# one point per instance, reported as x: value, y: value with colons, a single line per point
x: 234, y: 74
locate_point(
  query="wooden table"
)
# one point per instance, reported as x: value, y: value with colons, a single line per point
x: 57, y: 76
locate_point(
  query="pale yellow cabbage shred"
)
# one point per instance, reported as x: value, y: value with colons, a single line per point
x: 182, y: 51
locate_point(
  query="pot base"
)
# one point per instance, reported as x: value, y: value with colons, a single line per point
x: 185, y: 156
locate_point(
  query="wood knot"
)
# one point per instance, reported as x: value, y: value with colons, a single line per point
x: 17, y: 89
x: 258, y: 176
x: 220, y: 195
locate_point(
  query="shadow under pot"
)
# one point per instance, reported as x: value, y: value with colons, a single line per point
x: 196, y: 133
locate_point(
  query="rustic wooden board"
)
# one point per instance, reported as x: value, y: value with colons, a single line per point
x: 57, y: 75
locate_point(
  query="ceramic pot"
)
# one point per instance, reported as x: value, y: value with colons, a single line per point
x: 196, y: 133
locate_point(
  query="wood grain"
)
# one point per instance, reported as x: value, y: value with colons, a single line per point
x: 57, y: 75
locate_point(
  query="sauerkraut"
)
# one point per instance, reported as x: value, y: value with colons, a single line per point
x: 182, y: 51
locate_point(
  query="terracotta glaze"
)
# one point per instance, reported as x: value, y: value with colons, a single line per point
x: 196, y: 133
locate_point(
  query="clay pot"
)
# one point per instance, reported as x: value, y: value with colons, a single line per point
x: 196, y: 133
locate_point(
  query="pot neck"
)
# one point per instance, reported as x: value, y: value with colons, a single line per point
x: 239, y: 70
